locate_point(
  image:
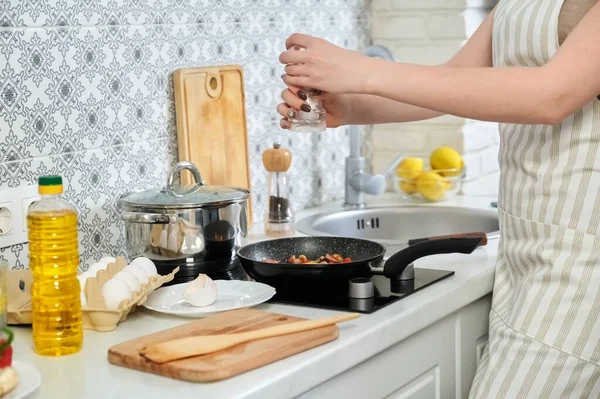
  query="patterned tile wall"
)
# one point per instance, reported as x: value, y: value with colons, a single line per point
x: 86, y: 92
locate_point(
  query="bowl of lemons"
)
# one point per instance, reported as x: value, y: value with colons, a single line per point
x: 438, y: 181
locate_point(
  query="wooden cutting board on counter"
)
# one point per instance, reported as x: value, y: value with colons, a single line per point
x: 230, y: 362
x: 211, y: 124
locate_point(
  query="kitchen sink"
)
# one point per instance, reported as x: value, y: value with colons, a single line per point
x: 394, y: 226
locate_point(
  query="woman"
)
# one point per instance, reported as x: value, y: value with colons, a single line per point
x: 520, y: 70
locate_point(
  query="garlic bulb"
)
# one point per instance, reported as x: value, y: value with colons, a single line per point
x: 201, y: 292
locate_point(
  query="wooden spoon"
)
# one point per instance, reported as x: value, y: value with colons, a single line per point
x: 182, y: 348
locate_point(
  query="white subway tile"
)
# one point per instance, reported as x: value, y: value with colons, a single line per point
x: 447, y: 26
x: 398, y: 27
x: 381, y: 160
x: 473, y: 165
x: 484, y: 186
x: 486, y: 4
x: 478, y: 135
x: 441, y: 137
x: 429, y: 4
x: 430, y: 53
x: 489, y: 160
x: 379, y: 5
x: 396, y: 138
x: 473, y: 18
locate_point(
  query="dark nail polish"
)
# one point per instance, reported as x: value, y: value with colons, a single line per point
x: 302, y: 95
x: 314, y: 92
x: 305, y: 107
x: 283, y: 77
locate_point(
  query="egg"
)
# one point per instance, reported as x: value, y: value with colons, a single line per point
x: 107, y: 260
x: 130, y: 279
x: 138, y: 272
x: 163, y: 239
x: 201, y: 292
x: 82, y: 279
x: 114, y: 292
x: 83, y: 300
x: 172, y: 242
x: 145, y: 264
x: 95, y: 268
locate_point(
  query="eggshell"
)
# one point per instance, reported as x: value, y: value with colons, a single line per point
x: 138, y: 272
x: 145, y: 264
x: 130, y: 279
x: 201, y: 292
x: 95, y: 268
x: 114, y: 292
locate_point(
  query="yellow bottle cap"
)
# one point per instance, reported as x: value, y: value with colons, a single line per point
x: 50, y: 185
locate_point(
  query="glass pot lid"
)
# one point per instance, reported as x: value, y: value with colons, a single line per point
x: 185, y: 197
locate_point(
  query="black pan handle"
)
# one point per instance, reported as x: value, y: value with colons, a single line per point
x: 480, y: 234
x: 395, y: 265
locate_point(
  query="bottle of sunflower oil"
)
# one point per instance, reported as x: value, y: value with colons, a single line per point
x: 54, y: 259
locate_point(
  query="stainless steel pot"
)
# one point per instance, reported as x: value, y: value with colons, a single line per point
x: 187, y: 223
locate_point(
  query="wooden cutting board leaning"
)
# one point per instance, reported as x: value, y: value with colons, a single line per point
x: 211, y: 125
x: 228, y: 362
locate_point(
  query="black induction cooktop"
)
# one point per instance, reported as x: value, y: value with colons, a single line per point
x: 384, y: 292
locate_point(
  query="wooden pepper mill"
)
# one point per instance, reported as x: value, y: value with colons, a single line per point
x: 279, y: 220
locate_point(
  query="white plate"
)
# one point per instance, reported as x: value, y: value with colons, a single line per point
x: 29, y: 380
x: 231, y: 294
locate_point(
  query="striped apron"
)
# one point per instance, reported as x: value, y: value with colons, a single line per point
x: 544, y: 335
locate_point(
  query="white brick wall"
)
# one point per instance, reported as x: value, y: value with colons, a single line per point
x: 430, y: 32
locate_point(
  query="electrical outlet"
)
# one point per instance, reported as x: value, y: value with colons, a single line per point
x: 6, y: 219
x: 26, y: 203
x: 13, y: 213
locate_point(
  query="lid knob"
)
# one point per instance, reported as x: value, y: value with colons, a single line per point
x: 277, y: 159
x: 178, y: 168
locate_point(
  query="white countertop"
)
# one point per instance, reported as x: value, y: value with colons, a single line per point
x: 89, y: 375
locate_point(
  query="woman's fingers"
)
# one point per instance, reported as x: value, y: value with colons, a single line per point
x: 300, y: 81
x: 298, y: 39
x: 292, y: 57
x: 296, y: 70
x: 295, y: 100
x: 286, y: 111
x: 285, y: 124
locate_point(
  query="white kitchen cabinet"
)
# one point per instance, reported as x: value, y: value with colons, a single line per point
x: 437, y: 362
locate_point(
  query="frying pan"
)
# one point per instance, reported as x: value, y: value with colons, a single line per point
x: 367, y: 257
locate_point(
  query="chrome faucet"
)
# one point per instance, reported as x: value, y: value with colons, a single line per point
x: 359, y: 182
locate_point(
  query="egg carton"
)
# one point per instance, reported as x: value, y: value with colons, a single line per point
x: 95, y: 316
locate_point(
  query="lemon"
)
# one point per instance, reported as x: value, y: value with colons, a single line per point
x: 409, y: 187
x: 446, y: 158
x: 432, y: 186
x: 409, y: 168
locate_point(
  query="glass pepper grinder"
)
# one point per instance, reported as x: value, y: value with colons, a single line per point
x: 313, y: 121
x: 279, y: 220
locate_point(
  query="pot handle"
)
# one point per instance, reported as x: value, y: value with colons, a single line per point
x: 178, y: 168
x: 466, y: 244
x: 148, y: 218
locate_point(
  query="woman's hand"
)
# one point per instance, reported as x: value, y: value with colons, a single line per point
x: 336, y: 106
x: 324, y: 66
